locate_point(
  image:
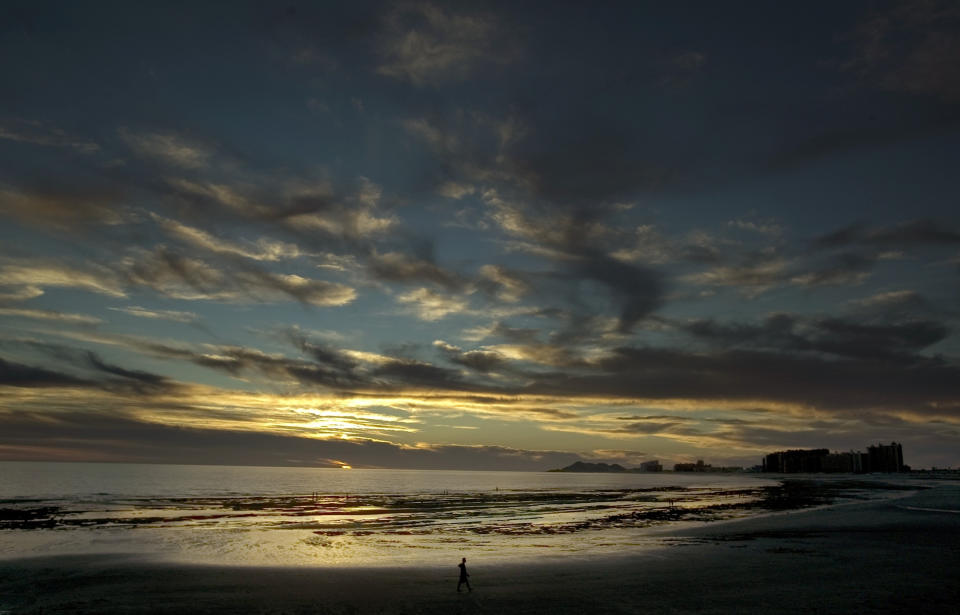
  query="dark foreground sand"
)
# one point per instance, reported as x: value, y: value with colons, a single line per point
x: 877, y: 557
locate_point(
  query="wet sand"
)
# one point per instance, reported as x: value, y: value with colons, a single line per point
x: 891, y: 556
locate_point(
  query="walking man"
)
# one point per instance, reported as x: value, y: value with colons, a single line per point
x: 463, y: 575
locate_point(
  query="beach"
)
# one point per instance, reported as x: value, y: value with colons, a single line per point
x: 895, y: 555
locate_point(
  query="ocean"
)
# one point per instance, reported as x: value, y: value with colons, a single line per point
x: 363, y: 517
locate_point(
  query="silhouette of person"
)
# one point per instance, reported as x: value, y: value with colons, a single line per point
x: 463, y: 575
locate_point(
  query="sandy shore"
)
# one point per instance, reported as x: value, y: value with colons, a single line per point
x: 896, y: 556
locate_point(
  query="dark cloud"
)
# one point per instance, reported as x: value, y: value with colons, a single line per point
x: 912, y: 47
x: 914, y: 233
x: 117, y: 438
x: 324, y: 367
x: 20, y: 375
x: 703, y: 254
x: 864, y: 133
x: 328, y: 367
x: 181, y: 276
x: 756, y: 272
x: 63, y: 206
x: 638, y: 291
x: 425, y: 43
x: 410, y: 373
x: 926, y: 386
x: 321, y: 353
x: 480, y: 360
x: 98, y: 373
x: 899, y: 306
x: 845, y: 256
x: 331, y: 371
x: 324, y: 215
x: 406, y: 268
x: 164, y: 266
x: 515, y: 334
x: 560, y: 351
x: 649, y: 427
x: 846, y: 338
x: 505, y: 283
x: 585, y: 158
x: 543, y: 220
x: 322, y: 375
x: 236, y: 360
x: 549, y: 413
x: 168, y: 148
x: 838, y: 269
x: 140, y: 380
x: 831, y: 364
x: 37, y: 133
x: 908, y: 49
x: 484, y: 361
x: 834, y: 336
x: 572, y: 240
x: 568, y: 195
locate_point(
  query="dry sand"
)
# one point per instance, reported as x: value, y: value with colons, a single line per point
x: 894, y: 556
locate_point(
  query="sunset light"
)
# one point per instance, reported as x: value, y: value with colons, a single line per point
x: 565, y: 282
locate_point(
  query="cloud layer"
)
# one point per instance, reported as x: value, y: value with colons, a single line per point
x: 410, y: 234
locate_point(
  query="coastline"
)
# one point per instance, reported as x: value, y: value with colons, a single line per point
x: 890, y: 556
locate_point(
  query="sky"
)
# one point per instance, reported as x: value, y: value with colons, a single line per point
x: 486, y: 235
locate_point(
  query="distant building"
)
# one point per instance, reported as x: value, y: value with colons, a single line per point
x: 728, y: 469
x: 704, y: 467
x: 651, y: 466
x: 879, y: 458
x: 692, y: 467
x: 790, y: 462
x: 885, y: 458
x: 850, y: 462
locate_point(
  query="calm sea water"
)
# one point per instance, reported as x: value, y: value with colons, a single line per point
x: 93, y: 481
x: 307, y: 516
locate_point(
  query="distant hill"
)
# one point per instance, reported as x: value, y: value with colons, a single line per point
x: 582, y: 466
